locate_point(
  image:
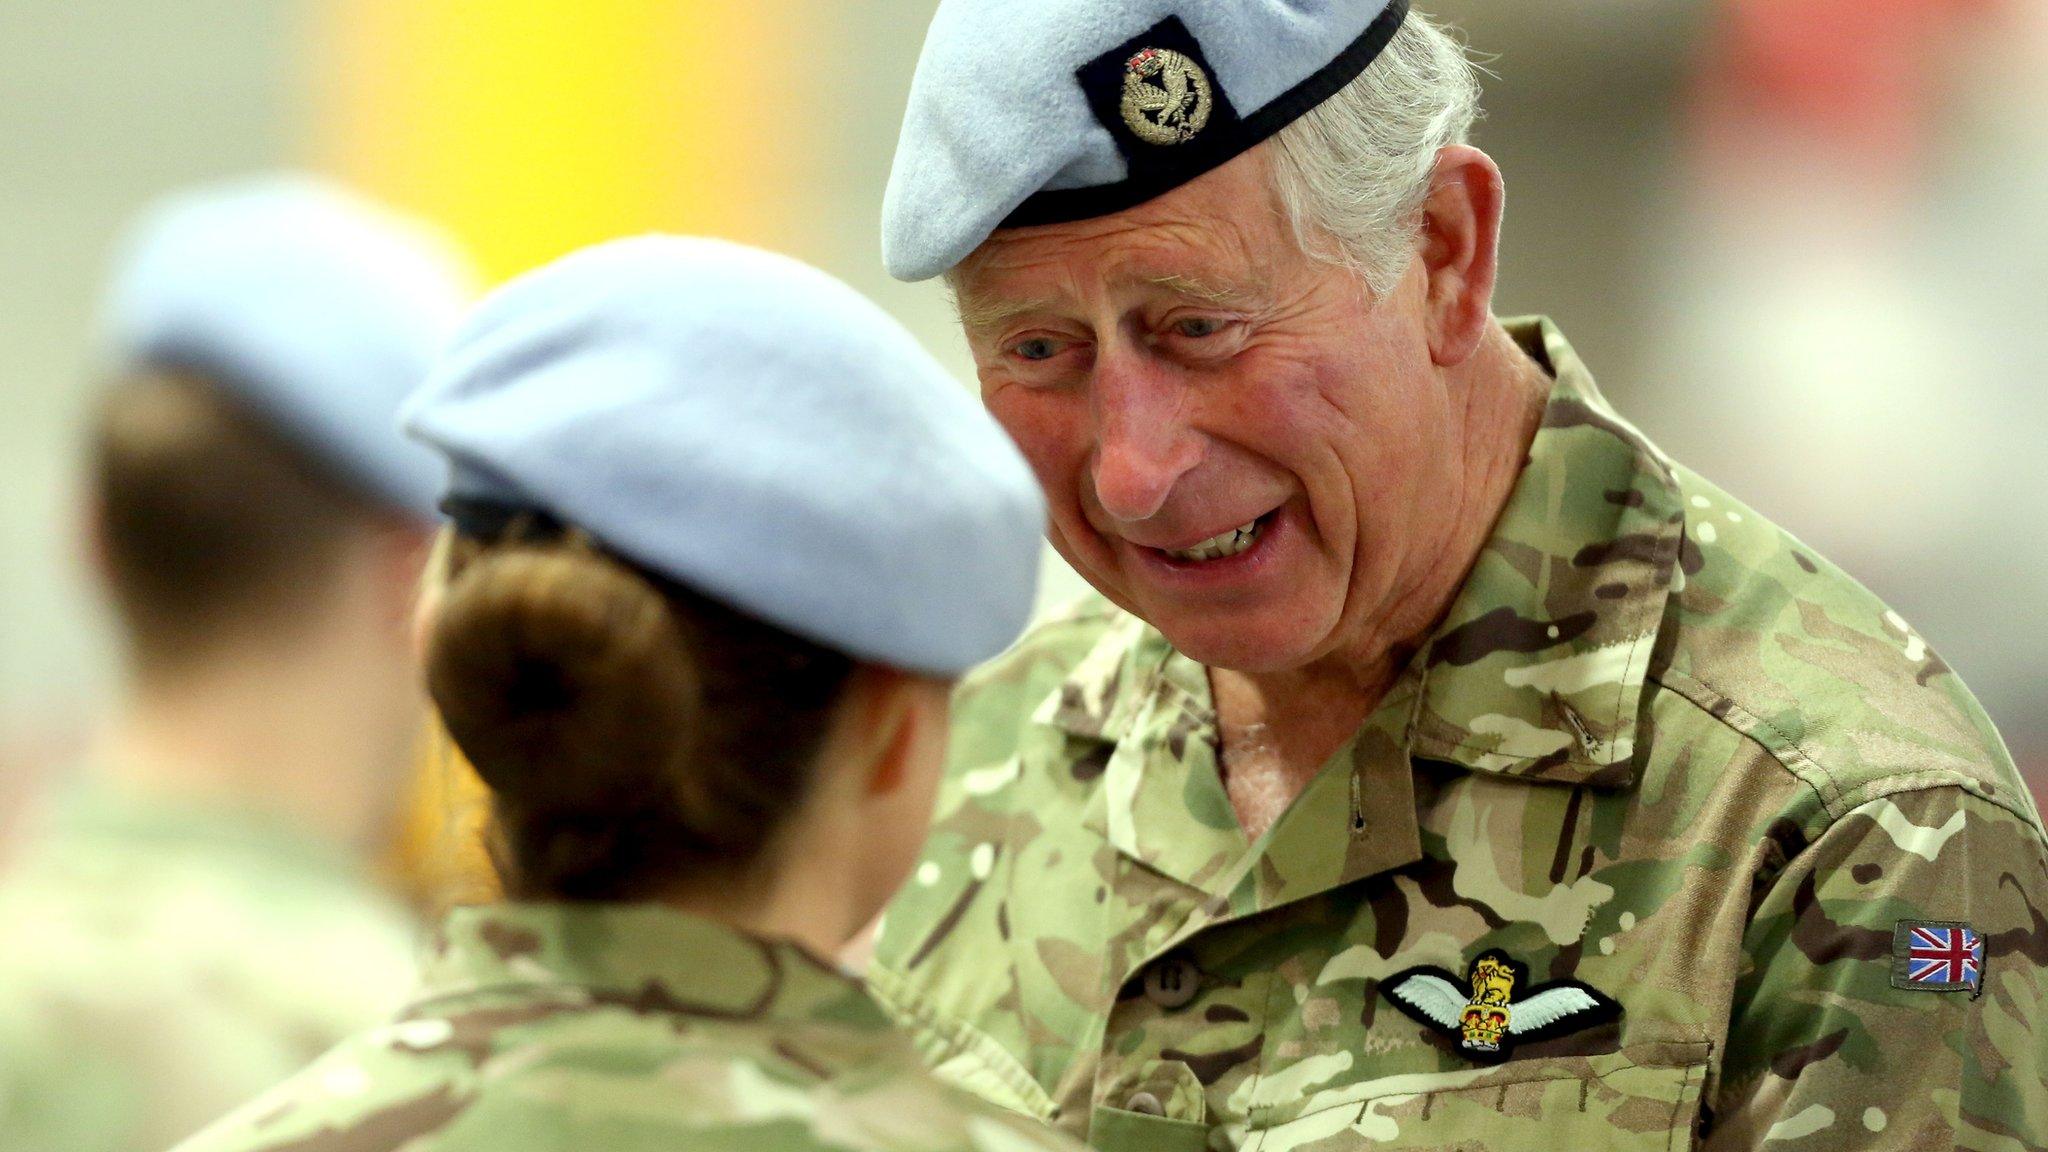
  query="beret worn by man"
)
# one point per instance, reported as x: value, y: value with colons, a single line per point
x: 1440, y: 764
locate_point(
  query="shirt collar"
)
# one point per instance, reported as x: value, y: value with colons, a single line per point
x: 1537, y: 671
x: 646, y: 957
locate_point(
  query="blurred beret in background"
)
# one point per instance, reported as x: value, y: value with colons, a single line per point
x: 319, y: 309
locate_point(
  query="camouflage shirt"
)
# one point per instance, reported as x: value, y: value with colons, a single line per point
x: 1671, y: 833
x: 622, y: 1027
x: 162, y: 963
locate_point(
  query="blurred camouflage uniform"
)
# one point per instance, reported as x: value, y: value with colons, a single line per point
x: 1657, y: 747
x: 623, y: 1027
x: 164, y: 962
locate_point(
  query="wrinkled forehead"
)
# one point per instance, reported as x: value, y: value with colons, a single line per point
x: 1204, y: 242
x: 988, y: 306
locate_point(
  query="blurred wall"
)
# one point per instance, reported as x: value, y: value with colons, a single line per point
x: 1582, y: 112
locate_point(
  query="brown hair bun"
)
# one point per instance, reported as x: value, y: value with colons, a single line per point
x: 634, y: 735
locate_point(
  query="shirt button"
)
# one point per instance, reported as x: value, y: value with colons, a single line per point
x: 1172, y: 981
x: 1145, y: 1104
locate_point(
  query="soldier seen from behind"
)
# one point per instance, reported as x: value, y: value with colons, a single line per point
x: 193, y: 918
x: 724, y: 535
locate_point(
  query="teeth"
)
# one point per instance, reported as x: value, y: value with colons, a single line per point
x: 1217, y: 547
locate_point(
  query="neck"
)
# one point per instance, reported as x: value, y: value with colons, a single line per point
x: 264, y: 732
x: 1299, y: 716
x: 794, y: 907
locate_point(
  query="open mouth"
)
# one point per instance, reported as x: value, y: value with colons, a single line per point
x: 1222, y: 546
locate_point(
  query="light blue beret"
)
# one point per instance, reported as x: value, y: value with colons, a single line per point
x: 746, y: 425
x: 315, y: 307
x: 1047, y: 111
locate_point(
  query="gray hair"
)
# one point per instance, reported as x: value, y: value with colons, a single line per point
x: 1352, y: 173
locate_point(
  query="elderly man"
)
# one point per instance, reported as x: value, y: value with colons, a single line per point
x: 1440, y: 764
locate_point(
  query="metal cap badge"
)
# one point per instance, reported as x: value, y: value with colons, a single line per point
x: 1166, y: 96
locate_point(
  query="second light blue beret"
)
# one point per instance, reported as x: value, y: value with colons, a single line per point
x: 1044, y: 111
x: 748, y: 426
x: 317, y: 308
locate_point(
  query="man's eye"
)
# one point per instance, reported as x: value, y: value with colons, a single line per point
x: 1196, y: 327
x: 1037, y: 348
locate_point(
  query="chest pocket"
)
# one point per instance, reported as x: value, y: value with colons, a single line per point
x: 1642, y: 1099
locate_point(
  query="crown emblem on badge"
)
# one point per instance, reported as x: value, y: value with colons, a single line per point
x: 1166, y: 98
x: 1482, y: 1011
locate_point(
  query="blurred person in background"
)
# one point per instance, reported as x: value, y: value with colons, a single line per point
x: 1440, y: 764
x: 193, y: 919
x: 724, y: 535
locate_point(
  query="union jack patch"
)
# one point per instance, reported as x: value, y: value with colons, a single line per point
x: 1937, y: 956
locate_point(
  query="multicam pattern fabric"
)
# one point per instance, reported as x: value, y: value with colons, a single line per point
x: 622, y: 1027
x: 163, y: 963
x: 1657, y: 746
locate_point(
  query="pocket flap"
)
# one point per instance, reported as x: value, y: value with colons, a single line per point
x: 1115, y: 1130
x: 1637, y: 1100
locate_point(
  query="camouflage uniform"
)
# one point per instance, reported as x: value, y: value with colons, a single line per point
x: 164, y: 963
x: 622, y: 1027
x: 1657, y: 747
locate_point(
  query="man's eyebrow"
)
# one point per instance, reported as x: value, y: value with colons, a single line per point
x: 979, y: 315
x: 1207, y: 291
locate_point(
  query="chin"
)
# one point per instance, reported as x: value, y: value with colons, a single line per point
x: 1249, y: 657
x: 1241, y: 645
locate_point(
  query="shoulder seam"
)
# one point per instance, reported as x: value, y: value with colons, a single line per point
x: 1705, y: 697
x: 955, y: 1037
x: 1834, y: 800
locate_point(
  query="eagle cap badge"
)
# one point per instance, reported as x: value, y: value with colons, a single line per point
x: 1166, y: 97
x: 1484, y: 1011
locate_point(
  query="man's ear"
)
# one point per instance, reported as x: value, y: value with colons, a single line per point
x: 1461, y: 251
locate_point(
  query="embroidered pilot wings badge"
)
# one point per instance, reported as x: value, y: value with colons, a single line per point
x: 1483, y: 1012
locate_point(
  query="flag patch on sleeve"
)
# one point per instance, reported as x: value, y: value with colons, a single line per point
x: 1937, y: 956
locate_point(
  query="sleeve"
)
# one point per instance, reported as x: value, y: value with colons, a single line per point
x: 1860, y: 1022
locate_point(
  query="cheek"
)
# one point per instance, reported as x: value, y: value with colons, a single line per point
x: 1298, y: 412
x: 1389, y: 474
x: 1363, y: 438
x: 1052, y: 430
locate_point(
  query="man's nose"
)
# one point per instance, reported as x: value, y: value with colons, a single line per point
x: 1143, y: 442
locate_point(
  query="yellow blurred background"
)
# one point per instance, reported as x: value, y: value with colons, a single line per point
x: 1801, y: 243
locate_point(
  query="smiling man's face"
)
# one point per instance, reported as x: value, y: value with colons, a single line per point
x: 1237, y: 444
